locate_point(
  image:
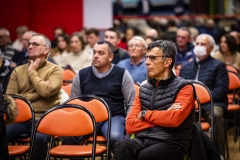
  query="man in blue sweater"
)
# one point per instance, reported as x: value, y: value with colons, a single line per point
x: 110, y: 82
x: 213, y: 74
x: 135, y: 65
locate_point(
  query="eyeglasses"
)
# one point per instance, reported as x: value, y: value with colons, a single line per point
x: 152, y: 58
x: 34, y: 44
x: 132, y: 45
x: 181, y: 37
x: 1, y: 37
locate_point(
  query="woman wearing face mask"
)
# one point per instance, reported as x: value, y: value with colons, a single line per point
x: 78, y: 58
x: 60, y: 50
x: 228, y: 51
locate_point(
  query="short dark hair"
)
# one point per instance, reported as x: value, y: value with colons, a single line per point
x: 168, y: 49
x: 231, y: 42
x: 92, y: 30
x: 115, y: 30
x: 110, y: 46
x: 185, y: 29
x: 79, y: 36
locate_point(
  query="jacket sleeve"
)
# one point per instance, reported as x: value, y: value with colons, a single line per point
x: 221, y: 83
x: 43, y: 88
x: 173, y: 118
x: 13, y: 89
x: 134, y: 125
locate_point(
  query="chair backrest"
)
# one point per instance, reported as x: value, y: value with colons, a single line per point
x: 204, y: 96
x: 98, y: 107
x: 68, y: 74
x: 67, y: 88
x: 234, y: 81
x: 232, y: 68
x: 25, y: 109
x: 67, y: 120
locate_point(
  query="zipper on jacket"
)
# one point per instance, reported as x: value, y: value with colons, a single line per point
x: 196, y: 78
x: 154, y: 95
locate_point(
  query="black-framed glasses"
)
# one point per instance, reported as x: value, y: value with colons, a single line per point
x: 34, y: 44
x: 152, y: 58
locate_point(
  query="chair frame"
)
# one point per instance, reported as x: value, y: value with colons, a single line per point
x: 32, y: 119
x: 211, y: 104
x: 82, y: 97
x: 63, y: 106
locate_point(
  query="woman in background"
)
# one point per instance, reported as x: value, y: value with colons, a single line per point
x: 62, y: 48
x: 78, y: 58
x: 228, y: 51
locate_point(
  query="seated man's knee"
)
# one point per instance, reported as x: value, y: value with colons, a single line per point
x: 115, y: 136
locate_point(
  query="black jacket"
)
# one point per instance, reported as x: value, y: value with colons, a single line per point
x: 213, y: 74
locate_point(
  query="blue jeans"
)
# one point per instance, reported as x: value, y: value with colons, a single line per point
x: 117, y: 131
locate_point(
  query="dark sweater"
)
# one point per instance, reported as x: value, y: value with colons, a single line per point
x: 213, y: 74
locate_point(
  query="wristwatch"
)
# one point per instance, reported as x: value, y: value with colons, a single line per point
x: 143, y: 113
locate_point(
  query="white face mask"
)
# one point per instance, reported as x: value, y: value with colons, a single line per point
x: 200, y: 51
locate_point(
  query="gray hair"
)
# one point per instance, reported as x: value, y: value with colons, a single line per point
x: 7, y: 33
x: 140, y: 39
x: 168, y: 49
x: 210, y: 38
x: 47, y: 42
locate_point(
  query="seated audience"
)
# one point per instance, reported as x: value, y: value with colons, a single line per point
x: 62, y: 48
x: 184, y: 46
x: 135, y: 65
x: 162, y: 115
x: 22, y: 57
x: 78, y: 58
x: 228, y: 52
x: 17, y: 44
x: 92, y: 35
x: 40, y: 82
x: 213, y: 74
x: 110, y: 82
x: 112, y: 35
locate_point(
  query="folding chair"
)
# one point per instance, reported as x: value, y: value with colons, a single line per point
x: 230, y: 67
x: 25, y: 113
x: 68, y: 76
x: 234, y: 103
x: 68, y: 120
x: 204, y: 96
x: 67, y: 88
x: 100, y: 110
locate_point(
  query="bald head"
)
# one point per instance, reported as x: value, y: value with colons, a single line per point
x: 152, y: 33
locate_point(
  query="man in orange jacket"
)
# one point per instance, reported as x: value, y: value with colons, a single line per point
x: 162, y: 115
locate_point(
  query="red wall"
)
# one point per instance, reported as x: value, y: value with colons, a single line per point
x: 41, y: 15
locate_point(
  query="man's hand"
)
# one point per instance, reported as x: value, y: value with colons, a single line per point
x: 175, y: 106
x: 34, y: 64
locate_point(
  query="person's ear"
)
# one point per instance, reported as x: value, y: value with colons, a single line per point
x: 46, y: 51
x: 168, y: 62
x: 111, y: 56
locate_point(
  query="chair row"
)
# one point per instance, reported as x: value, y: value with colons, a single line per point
x: 76, y: 117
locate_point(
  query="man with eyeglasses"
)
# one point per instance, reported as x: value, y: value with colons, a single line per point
x: 184, y: 46
x: 40, y: 82
x: 22, y: 57
x: 162, y: 115
x: 135, y: 65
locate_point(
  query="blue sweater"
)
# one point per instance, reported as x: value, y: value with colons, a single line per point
x: 138, y: 72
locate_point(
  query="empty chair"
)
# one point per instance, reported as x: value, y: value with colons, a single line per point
x: 68, y: 120
x: 25, y: 113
